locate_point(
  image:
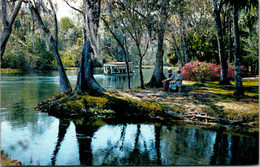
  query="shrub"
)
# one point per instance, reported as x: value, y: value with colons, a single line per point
x: 202, y: 71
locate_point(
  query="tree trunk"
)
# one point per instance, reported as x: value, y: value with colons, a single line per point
x: 158, y: 75
x: 86, y: 81
x: 223, y: 59
x: 185, y: 45
x: 126, y: 62
x: 65, y: 86
x: 141, y: 72
x: 183, y: 42
x: 238, y: 75
x: 4, y: 39
x: 230, y: 41
x: 178, y: 52
x: 7, y: 24
x: 182, y: 49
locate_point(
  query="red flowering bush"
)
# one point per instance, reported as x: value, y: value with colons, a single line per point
x: 201, y: 71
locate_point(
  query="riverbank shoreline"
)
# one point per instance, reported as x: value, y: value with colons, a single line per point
x: 208, y: 104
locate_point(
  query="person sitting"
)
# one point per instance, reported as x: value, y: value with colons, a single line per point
x: 178, y: 82
x: 168, y: 80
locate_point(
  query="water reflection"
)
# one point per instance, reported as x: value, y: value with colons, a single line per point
x: 141, y: 144
x: 238, y: 150
x: 63, y: 126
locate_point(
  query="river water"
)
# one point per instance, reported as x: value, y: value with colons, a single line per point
x: 37, y: 138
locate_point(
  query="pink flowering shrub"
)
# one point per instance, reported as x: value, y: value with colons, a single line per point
x: 202, y: 71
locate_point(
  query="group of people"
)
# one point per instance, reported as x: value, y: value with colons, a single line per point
x: 171, y: 84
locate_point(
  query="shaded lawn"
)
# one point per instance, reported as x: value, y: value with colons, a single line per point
x: 218, y: 100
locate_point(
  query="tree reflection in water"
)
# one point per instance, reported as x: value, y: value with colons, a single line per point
x: 235, y: 150
x: 143, y: 144
x: 63, y: 126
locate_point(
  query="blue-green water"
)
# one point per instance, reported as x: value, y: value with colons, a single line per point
x: 36, y: 138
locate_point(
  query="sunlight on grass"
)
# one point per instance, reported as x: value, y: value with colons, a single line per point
x: 9, y: 70
x: 240, y: 110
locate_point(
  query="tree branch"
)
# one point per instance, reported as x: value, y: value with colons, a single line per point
x: 147, y: 46
x: 118, y: 41
x: 15, y: 12
x: 55, y: 22
x: 74, y: 8
x: 131, y: 34
x: 37, y: 14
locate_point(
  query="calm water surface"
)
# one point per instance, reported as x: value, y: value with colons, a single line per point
x: 36, y: 138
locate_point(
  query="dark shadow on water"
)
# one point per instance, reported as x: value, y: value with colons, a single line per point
x: 85, y: 131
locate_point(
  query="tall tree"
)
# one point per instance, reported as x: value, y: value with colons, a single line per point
x: 238, y: 75
x: 177, y: 31
x: 222, y: 56
x: 65, y: 86
x: 135, y: 26
x: 162, y: 17
x: 183, y: 40
x: 91, y: 13
x: 7, y: 24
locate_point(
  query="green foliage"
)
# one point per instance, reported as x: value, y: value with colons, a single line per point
x: 14, y: 59
x: 28, y: 55
x: 249, y: 39
x: 203, y: 47
x: 29, y: 49
x: 96, y: 63
x: 66, y: 23
x: 45, y: 61
x: 45, y: 58
x: 172, y: 57
x: 67, y: 59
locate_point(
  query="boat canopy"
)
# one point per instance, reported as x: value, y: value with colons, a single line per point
x: 116, y: 68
